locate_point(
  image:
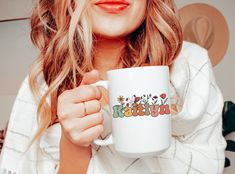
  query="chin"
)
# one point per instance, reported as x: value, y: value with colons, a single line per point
x: 112, y: 34
x: 105, y: 36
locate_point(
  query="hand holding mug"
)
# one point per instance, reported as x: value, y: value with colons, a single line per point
x: 79, y: 111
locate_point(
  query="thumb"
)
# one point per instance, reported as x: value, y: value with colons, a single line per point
x: 90, y: 77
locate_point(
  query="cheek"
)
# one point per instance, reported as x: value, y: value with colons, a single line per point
x: 136, y: 17
x: 109, y: 25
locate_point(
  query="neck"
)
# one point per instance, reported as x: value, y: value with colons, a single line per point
x: 107, y: 54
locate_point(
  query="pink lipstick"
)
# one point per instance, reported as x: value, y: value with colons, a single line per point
x: 112, y: 6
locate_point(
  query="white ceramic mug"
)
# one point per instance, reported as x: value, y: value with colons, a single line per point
x: 140, y: 108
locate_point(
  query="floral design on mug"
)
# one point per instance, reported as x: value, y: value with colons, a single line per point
x: 145, y: 105
x: 121, y: 100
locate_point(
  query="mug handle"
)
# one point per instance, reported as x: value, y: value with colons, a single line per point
x: 109, y: 140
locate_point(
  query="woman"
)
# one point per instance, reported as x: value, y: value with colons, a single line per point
x: 78, y: 42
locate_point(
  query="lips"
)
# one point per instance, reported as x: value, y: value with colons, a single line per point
x: 112, y: 2
x: 112, y: 6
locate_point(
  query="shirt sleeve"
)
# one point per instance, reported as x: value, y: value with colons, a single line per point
x: 15, y: 156
x: 191, y: 78
x: 18, y: 130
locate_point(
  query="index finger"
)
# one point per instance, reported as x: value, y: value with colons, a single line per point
x: 81, y: 94
x: 90, y: 77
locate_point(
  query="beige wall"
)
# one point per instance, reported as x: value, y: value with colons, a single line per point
x: 11, y: 9
x: 17, y: 53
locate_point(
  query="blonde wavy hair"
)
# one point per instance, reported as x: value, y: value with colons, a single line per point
x: 61, y: 30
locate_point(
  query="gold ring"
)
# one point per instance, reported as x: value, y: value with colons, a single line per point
x: 84, y: 106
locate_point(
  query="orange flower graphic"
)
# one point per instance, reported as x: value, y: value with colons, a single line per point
x: 121, y: 99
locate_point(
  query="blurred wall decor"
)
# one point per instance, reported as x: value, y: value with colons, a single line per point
x: 224, y: 70
x: 205, y: 25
